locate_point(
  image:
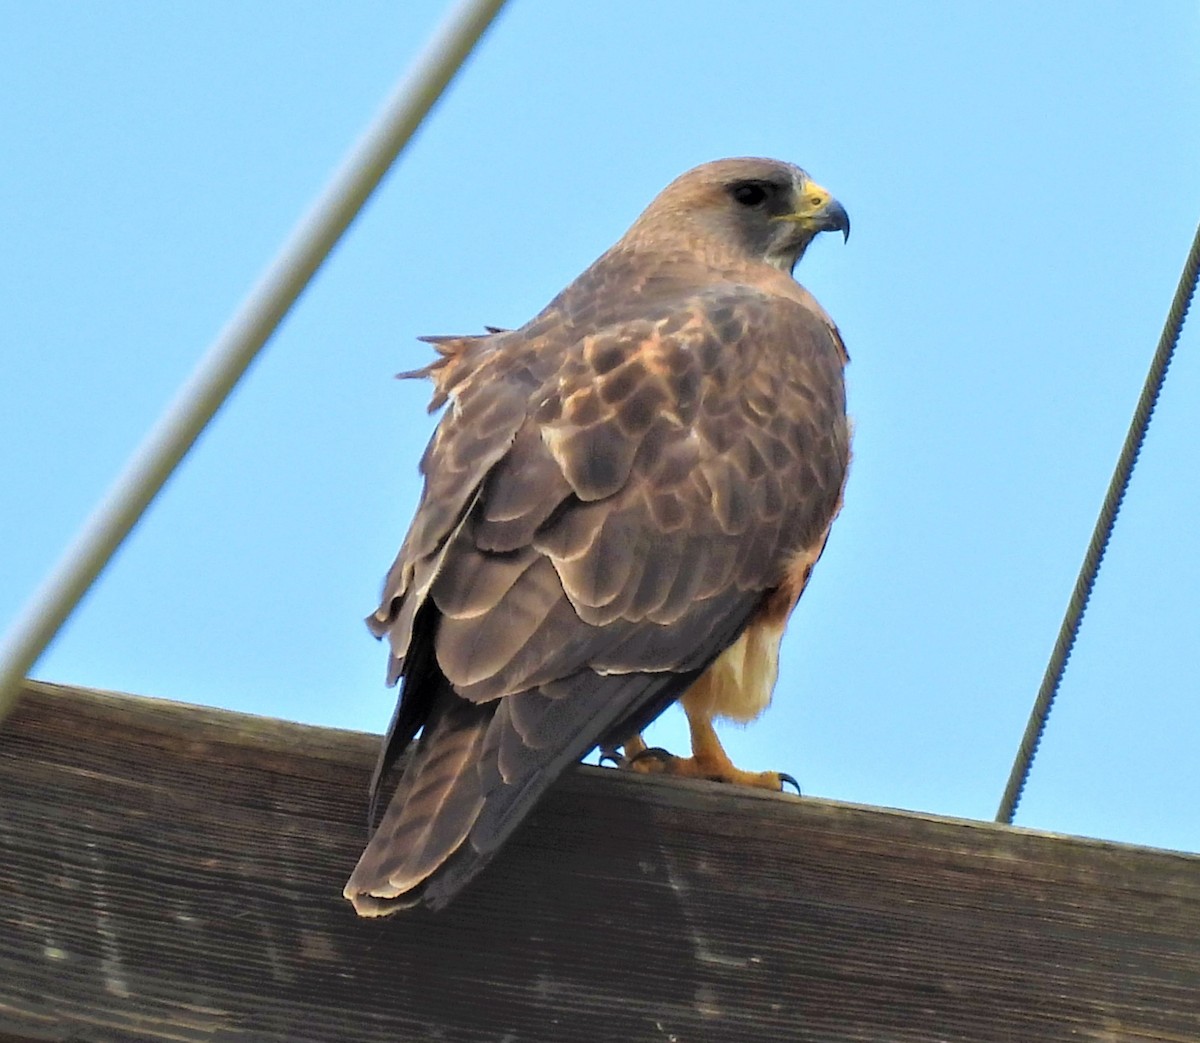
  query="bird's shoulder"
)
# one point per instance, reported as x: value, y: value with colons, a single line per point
x: 616, y: 324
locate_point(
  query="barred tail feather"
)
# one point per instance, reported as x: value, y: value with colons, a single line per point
x: 437, y: 801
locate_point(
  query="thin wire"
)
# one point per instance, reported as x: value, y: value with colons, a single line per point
x: 237, y: 345
x: 1101, y: 534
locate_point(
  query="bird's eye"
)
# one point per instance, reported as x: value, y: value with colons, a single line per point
x: 748, y: 193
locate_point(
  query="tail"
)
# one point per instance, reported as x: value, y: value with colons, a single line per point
x: 437, y: 801
x: 477, y: 770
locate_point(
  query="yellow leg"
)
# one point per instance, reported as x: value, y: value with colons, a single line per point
x: 635, y: 747
x: 708, y: 760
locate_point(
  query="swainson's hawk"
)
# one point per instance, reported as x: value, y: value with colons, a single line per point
x: 622, y: 504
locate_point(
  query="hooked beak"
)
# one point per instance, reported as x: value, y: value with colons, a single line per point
x: 817, y: 211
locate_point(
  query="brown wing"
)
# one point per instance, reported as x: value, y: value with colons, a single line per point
x: 601, y: 518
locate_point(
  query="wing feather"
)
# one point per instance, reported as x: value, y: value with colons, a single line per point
x: 602, y: 516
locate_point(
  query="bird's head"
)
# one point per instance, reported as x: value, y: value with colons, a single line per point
x: 763, y: 208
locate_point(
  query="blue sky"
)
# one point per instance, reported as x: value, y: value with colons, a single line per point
x: 1022, y: 182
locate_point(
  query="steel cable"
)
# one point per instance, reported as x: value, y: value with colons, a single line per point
x: 1101, y: 534
x: 239, y: 343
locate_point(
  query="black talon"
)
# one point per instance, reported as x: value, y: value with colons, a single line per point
x: 784, y: 779
x: 657, y: 752
x: 617, y: 760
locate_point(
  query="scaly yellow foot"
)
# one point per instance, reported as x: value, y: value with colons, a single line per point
x: 708, y: 761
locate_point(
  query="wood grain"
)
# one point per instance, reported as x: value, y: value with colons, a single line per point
x: 174, y: 873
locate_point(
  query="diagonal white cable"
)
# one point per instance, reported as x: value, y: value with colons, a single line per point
x: 239, y: 342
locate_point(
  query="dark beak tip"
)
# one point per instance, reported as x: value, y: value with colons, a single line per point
x: 835, y: 219
x: 842, y: 220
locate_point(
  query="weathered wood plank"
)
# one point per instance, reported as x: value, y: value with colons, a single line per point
x: 169, y: 872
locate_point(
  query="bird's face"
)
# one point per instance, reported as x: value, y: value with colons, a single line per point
x: 766, y: 209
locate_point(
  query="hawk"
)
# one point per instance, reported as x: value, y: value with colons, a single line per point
x: 623, y: 502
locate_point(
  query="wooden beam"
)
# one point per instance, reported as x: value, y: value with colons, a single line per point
x: 171, y: 872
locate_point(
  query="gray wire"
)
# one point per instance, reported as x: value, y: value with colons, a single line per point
x: 1101, y: 534
x: 237, y: 345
